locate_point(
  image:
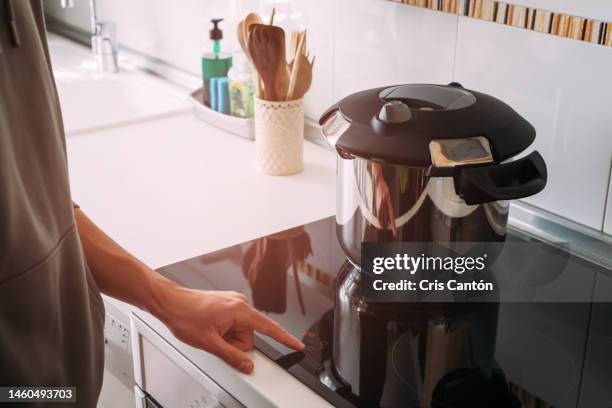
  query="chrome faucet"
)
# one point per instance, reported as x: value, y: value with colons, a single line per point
x: 103, y: 40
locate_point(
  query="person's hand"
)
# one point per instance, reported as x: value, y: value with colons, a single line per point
x: 221, y: 323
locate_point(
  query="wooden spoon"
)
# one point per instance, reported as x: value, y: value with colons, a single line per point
x: 242, y: 39
x: 267, y: 48
x: 250, y: 19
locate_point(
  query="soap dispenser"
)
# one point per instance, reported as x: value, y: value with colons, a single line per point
x: 214, y: 64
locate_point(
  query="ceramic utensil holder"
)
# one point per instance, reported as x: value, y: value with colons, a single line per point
x: 279, y: 136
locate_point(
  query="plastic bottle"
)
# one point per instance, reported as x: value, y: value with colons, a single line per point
x: 215, y: 63
x: 241, y: 87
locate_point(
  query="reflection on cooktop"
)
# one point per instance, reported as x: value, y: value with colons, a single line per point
x: 389, y: 356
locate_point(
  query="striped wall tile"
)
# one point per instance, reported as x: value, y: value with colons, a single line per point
x: 529, y: 18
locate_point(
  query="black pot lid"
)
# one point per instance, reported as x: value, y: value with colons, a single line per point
x: 397, y: 124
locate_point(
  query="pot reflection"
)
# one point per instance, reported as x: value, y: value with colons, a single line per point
x: 265, y: 264
x: 416, y: 354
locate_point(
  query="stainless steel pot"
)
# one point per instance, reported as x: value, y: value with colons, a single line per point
x: 387, y: 203
x: 403, y: 175
x: 423, y: 163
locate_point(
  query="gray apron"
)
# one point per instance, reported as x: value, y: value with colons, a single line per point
x: 51, y: 312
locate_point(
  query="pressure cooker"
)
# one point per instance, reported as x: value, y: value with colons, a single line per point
x: 428, y: 163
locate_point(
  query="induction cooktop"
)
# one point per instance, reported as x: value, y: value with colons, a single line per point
x: 290, y: 276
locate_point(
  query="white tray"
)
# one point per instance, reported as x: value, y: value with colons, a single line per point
x: 242, y: 127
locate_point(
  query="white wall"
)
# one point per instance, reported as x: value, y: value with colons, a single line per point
x: 562, y: 86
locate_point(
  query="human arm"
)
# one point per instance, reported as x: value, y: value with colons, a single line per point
x: 221, y: 323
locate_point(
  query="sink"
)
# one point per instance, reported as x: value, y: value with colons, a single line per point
x: 92, y: 100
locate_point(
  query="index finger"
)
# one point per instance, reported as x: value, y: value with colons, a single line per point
x: 270, y: 328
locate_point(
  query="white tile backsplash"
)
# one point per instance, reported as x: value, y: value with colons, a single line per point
x: 163, y: 30
x: 383, y: 43
x: 178, y: 35
x: 562, y: 86
x: 318, y: 18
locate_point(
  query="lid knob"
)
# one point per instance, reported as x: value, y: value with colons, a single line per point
x: 395, y: 112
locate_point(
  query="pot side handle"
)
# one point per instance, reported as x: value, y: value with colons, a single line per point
x: 333, y: 126
x: 328, y: 111
x: 517, y: 179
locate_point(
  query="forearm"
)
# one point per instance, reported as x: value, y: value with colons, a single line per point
x: 119, y: 274
x: 219, y: 322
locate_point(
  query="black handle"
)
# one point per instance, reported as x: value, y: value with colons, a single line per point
x: 518, y: 179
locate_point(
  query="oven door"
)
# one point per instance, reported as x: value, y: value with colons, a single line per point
x: 166, y: 379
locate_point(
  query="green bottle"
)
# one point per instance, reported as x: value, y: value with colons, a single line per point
x: 214, y: 64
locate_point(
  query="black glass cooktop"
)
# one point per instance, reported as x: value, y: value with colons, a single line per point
x: 541, y: 349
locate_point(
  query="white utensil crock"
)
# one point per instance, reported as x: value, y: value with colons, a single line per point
x: 279, y: 136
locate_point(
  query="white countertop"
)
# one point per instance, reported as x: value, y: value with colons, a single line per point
x: 174, y: 188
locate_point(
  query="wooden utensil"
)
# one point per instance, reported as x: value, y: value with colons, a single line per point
x: 295, y: 67
x: 294, y: 43
x: 281, y: 83
x: 296, y: 36
x: 250, y: 19
x: 272, y: 16
x: 302, y: 36
x: 242, y: 39
x: 303, y: 77
x: 242, y: 33
x: 267, y: 48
